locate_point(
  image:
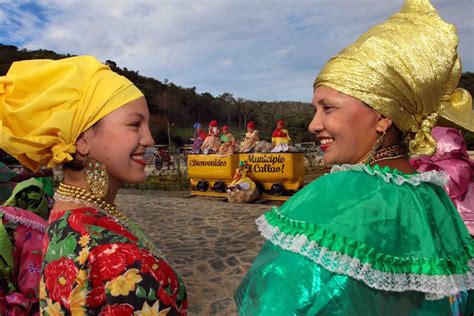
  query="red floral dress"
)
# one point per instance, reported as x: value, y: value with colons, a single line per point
x: 94, y: 266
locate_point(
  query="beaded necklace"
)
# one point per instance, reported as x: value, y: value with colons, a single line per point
x: 388, y: 153
x: 69, y: 193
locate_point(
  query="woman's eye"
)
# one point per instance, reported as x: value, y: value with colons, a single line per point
x: 136, y: 124
x: 327, y: 107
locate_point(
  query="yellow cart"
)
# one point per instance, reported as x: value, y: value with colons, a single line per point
x: 275, y: 174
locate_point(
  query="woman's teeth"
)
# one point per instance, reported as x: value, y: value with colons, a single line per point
x: 137, y: 157
x: 325, y: 141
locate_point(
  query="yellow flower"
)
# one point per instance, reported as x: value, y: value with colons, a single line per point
x: 83, y: 255
x: 42, y: 289
x: 84, y: 240
x: 53, y: 309
x: 124, y: 283
x: 148, y: 310
x: 81, y: 278
x: 77, y: 301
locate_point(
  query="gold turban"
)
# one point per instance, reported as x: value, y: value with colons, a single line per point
x: 407, y: 68
x: 45, y: 105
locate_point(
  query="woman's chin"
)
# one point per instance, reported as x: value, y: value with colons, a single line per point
x: 328, y: 160
x: 135, y: 180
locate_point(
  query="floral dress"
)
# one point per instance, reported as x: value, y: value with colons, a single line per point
x: 94, y: 266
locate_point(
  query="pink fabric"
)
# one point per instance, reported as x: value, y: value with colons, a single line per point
x: 28, y: 240
x: 451, y: 157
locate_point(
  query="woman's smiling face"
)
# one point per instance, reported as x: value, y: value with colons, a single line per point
x: 120, y: 140
x: 345, y: 126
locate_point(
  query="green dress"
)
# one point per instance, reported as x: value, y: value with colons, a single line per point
x: 361, y: 241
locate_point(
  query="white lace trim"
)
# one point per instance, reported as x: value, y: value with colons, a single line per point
x: 439, y: 178
x: 24, y: 221
x: 434, y: 286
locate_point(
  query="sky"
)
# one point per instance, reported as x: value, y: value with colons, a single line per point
x: 268, y: 50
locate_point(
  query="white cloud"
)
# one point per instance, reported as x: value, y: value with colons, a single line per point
x: 253, y: 49
x: 226, y: 62
x: 284, y: 52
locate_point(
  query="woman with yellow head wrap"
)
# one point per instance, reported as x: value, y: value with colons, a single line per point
x: 374, y: 237
x: 77, y: 113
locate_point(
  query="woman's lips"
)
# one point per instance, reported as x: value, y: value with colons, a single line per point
x: 139, y: 158
x: 325, y: 143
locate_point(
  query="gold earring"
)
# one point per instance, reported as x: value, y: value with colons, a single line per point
x: 96, y: 177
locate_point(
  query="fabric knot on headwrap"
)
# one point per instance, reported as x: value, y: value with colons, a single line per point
x: 423, y: 143
x: 61, y: 153
x: 457, y: 108
x: 405, y: 68
x: 45, y: 105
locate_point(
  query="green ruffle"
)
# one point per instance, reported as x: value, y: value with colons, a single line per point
x: 367, y: 254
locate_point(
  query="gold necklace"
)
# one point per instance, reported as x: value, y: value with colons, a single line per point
x: 82, y: 196
x: 388, y: 153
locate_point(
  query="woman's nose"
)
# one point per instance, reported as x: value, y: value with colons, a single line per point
x: 316, y: 124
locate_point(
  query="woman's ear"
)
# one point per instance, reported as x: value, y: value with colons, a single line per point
x: 383, y: 124
x: 82, y: 145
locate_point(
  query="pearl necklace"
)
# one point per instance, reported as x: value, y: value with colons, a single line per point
x: 69, y: 193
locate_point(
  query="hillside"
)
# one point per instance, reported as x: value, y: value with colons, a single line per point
x: 181, y: 107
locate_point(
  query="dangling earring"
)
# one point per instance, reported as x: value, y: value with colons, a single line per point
x: 378, y: 144
x: 96, y: 177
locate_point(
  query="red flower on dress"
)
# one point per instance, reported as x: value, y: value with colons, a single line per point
x: 55, y: 216
x: 81, y: 218
x: 117, y: 310
x: 162, y: 273
x: 115, y: 227
x: 96, y: 297
x: 59, y: 277
x: 110, y: 260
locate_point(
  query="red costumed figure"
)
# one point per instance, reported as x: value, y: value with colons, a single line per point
x: 212, y: 142
x: 280, y: 138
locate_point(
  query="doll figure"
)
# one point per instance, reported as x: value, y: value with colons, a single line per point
x: 280, y: 138
x: 250, y: 140
x: 212, y: 142
x: 228, y: 142
x: 242, y: 189
x: 198, y: 138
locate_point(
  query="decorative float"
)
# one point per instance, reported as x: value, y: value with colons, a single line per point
x: 277, y: 175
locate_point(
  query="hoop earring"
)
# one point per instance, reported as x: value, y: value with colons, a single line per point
x: 96, y: 177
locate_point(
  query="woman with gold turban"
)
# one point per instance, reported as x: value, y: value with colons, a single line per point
x: 374, y: 237
x: 77, y: 113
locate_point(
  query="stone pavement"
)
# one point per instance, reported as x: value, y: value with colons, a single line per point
x: 209, y: 242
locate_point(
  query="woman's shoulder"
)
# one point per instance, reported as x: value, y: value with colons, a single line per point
x: 61, y: 213
x: 87, y: 221
x: 362, y: 186
x: 386, y: 174
x: 356, y: 181
x: 358, y: 200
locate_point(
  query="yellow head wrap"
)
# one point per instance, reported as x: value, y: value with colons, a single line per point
x: 406, y: 68
x: 45, y: 105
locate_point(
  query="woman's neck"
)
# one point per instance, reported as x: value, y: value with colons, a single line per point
x: 77, y: 178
